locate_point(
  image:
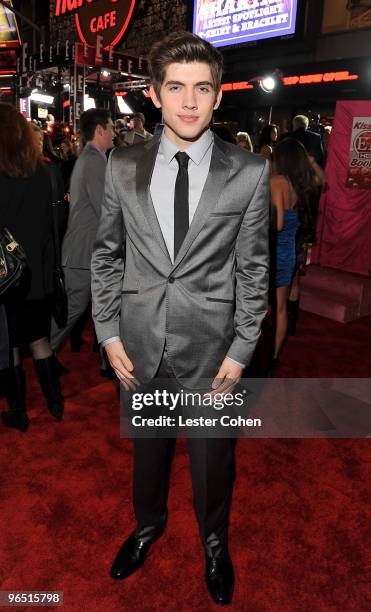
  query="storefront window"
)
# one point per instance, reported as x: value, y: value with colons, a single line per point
x: 340, y: 15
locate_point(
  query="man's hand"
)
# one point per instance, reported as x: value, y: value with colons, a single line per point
x: 121, y: 364
x: 228, y: 376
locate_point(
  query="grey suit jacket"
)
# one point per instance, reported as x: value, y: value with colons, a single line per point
x: 208, y: 304
x: 87, y: 192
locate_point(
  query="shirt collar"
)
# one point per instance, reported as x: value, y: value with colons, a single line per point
x: 196, y: 151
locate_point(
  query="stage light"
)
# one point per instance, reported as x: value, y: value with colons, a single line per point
x: 124, y: 107
x: 39, y: 97
x: 268, y: 84
x: 89, y: 103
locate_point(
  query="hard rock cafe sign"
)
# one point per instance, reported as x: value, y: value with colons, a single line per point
x: 108, y: 19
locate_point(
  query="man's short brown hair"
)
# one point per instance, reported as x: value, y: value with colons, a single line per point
x: 183, y: 48
x: 141, y: 118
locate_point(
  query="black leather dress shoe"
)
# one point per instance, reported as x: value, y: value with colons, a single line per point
x: 131, y: 555
x: 220, y: 577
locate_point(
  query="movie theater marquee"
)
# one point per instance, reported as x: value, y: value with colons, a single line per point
x: 108, y: 19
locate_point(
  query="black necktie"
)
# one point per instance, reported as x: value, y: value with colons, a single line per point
x: 181, y: 204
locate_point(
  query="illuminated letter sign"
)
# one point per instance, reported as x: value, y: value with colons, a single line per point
x: 321, y: 77
x: 108, y: 19
x: 231, y: 22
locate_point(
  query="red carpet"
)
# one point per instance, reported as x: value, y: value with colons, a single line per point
x: 299, y: 522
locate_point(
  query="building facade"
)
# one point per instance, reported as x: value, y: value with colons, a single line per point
x: 327, y: 59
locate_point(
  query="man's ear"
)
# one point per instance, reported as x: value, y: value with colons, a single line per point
x: 98, y: 130
x: 218, y: 99
x: 156, y: 101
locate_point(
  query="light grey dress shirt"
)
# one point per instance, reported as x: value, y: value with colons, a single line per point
x: 162, y: 186
x: 164, y: 177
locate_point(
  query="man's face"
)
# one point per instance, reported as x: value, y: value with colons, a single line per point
x: 187, y: 99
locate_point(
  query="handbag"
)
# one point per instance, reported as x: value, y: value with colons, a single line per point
x: 60, y: 301
x: 13, y: 262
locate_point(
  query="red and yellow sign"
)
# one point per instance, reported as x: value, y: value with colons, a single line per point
x: 106, y: 18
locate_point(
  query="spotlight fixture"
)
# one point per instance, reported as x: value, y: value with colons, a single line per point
x: 268, y: 84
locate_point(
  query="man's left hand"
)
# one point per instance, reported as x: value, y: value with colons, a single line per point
x: 228, y: 376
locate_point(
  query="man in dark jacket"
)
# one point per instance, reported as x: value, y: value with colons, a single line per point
x: 311, y: 141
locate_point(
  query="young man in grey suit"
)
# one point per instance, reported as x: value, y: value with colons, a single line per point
x: 87, y: 190
x: 179, y: 284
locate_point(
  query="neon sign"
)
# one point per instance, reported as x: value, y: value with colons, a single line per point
x: 242, y: 85
x: 304, y: 79
x: 231, y: 22
x: 106, y: 18
x: 321, y: 77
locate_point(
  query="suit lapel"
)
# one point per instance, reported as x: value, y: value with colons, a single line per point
x: 144, y: 170
x: 220, y: 166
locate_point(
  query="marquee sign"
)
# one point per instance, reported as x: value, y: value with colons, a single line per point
x: 320, y: 77
x: 303, y: 79
x: 232, y: 22
x: 108, y: 19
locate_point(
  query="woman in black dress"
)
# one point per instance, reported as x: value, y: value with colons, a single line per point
x: 25, y: 209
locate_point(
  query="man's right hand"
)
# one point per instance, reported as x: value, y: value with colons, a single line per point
x: 121, y: 364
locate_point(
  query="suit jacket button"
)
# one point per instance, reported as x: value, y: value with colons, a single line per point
x: 171, y: 279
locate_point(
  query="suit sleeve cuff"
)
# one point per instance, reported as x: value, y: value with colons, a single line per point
x: 241, y: 351
x: 242, y: 365
x: 109, y: 341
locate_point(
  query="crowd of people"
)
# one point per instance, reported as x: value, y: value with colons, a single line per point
x: 297, y: 161
x: 27, y: 151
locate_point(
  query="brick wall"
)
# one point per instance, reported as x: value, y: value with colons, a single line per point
x: 153, y: 20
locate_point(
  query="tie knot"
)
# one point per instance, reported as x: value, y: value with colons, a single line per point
x: 182, y: 159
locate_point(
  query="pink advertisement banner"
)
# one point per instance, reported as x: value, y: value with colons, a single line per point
x: 344, y: 221
x: 359, y: 172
